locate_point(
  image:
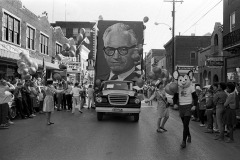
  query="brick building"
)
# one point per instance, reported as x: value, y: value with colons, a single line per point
x: 186, y: 48
x: 23, y: 31
x: 211, y: 60
x: 231, y: 39
x: 72, y: 29
x: 152, y: 58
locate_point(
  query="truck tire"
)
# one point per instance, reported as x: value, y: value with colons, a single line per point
x: 136, y: 117
x: 99, y: 116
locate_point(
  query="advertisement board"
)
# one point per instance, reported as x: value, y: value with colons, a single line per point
x: 117, y: 42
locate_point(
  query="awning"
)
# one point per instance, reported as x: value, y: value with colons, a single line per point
x: 12, y: 52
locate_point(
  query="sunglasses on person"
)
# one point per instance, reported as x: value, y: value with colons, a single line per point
x: 121, y: 50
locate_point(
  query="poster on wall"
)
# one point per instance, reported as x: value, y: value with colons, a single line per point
x: 118, y: 56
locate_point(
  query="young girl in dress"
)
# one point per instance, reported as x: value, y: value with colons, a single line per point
x: 162, y: 105
x: 48, y: 103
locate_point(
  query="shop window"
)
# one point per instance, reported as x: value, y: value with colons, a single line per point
x: 44, y: 44
x: 30, y: 38
x: 232, y: 21
x: 11, y: 29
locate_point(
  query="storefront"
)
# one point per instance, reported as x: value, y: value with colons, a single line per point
x: 233, y: 69
x: 9, y: 54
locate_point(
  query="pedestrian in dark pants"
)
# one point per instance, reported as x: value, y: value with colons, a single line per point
x: 219, y: 99
x: 69, y: 96
x: 202, y: 107
x: 209, y: 111
x: 185, y: 100
x: 18, y: 100
x: 229, y: 117
x: 59, y: 97
x: 5, y: 97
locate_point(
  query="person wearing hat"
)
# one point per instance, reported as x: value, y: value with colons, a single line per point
x: 48, y: 103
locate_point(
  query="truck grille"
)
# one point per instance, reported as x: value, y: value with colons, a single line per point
x: 118, y: 99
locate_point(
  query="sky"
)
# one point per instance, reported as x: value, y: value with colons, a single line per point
x: 191, y: 17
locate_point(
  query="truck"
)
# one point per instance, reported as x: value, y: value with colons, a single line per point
x: 117, y: 96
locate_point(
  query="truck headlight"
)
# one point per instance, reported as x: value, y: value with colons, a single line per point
x: 137, y: 101
x: 99, y: 99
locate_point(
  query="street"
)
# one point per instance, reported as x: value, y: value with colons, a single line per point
x: 81, y: 137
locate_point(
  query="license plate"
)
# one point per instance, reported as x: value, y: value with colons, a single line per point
x: 117, y: 110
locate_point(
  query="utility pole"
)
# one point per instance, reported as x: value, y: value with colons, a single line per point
x: 173, y: 32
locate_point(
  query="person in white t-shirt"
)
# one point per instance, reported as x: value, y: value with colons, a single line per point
x: 76, y: 97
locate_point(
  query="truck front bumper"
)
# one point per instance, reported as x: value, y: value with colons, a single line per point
x: 118, y: 110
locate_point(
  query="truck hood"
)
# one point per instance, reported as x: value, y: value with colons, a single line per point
x: 107, y: 92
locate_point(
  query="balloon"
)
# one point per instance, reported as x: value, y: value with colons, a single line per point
x: 66, y: 46
x: 64, y: 53
x: 100, y: 17
x: 145, y: 19
x: 58, y: 57
x: 27, y: 77
x: 22, y: 65
x: 19, y: 62
x: 98, y: 82
x: 173, y: 87
x: 162, y: 75
x: 71, y: 53
x: 32, y: 70
x: 82, y: 31
x: 135, y: 57
x: 34, y: 65
x: 157, y: 70
x: 19, y: 71
x: 57, y: 76
x: 73, y: 48
x: 167, y: 90
x: 151, y: 75
x: 140, y: 82
x: 62, y: 66
x: 25, y: 71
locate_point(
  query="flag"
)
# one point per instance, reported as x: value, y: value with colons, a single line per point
x: 86, y: 40
x: 44, y: 73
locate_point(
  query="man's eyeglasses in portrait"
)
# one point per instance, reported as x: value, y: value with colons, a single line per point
x: 121, y: 50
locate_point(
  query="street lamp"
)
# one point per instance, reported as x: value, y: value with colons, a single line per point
x: 173, y: 45
x: 156, y: 23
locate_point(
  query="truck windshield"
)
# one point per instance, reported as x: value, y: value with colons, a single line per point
x: 118, y: 86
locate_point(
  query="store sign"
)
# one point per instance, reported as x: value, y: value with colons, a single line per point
x: 214, y: 62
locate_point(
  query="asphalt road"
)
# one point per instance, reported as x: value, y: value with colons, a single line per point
x: 81, y: 137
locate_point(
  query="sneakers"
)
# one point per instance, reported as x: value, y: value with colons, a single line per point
x: 4, y: 126
x: 33, y: 115
x: 202, y: 125
x: 10, y: 122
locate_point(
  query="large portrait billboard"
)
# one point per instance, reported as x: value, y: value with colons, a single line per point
x: 118, y: 50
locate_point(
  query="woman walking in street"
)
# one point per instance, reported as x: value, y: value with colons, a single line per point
x: 162, y: 106
x: 48, y: 104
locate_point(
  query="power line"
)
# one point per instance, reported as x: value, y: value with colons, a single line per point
x: 203, y: 16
